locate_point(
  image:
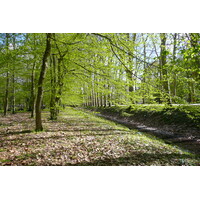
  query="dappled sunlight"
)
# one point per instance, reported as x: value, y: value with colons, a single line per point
x: 94, y: 141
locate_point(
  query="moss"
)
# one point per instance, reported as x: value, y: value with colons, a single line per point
x: 188, y: 115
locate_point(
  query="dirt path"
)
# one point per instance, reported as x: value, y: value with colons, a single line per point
x: 80, y: 138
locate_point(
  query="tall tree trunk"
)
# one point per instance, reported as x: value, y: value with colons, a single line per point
x: 144, y: 80
x: 194, y: 41
x: 13, y: 80
x: 7, y: 79
x: 6, y: 94
x: 59, y: 71
x: 163, y: 70
x: 13, y: 93
x: 174, y: 58
x: 33, y: 80
x: 38, y: 119
x: 191, y: 95
x: 33, y: 91
x: 60, y: 83
x: 130, y: 71
x: 53, y: 112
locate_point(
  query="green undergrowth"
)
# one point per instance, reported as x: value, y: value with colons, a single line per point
x: 187, y: 115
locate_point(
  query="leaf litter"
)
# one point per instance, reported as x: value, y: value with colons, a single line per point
x: 80, y: 138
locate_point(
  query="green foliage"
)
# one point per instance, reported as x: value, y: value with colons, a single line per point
x: 101, y: 69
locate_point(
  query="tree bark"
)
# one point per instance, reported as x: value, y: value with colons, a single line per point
x: 6, y: 94
x: 131, y: 70
x: 53, y: 109
x: 33, y: 91
x: 33, y: 80
x: 13, y: 80
x: 174, y: 58
x: 38, y: 119
x: 7, y: 80
x: 163, y: 70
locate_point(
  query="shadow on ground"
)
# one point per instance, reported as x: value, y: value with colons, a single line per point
x: 141, y: 159
x: 94, y: 143
x: 189, y: 142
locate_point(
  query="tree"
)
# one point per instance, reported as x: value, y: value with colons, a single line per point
x: 99, y: 69
x: 7, y: 76
x: 38, y: 118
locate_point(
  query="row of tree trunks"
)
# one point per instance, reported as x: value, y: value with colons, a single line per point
x: 96, y: 98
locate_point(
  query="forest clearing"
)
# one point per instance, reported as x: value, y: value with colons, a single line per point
x: 100, y: 99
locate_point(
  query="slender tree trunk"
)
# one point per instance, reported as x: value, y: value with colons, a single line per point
x: 164, y: 74
x: 38, y: 119
x: 194, y: 41
x: 53, y: 112
x: 33, y: 81
x: 191, y: 96
x: 60, y: 83
x: 146, y: 89
x: 174, y: 57
x: 7, y: 79
x: 130, y: 71
x: 6, y: 95
x: 33, y: 91
x: 13, y: 81
x: 13, y: 93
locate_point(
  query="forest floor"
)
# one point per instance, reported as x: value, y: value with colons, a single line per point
x: 175, y: 125
x: 81, y: 138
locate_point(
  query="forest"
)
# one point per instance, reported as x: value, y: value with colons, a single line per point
x: 99, y: 98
